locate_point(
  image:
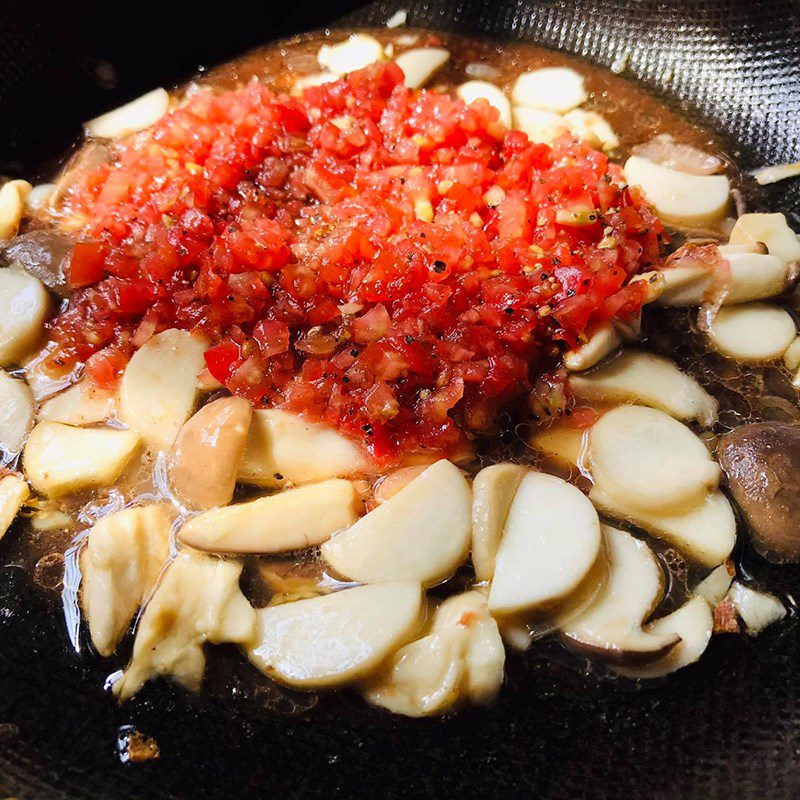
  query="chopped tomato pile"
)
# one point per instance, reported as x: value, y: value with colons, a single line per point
x: 391, y: 261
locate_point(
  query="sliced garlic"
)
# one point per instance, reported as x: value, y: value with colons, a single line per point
x: 715, y: 585
x: 60, y: 459
x: 556, y: 89
x: 603, y: 340
x: 684, y: 286
x: 316, y: 79
x: 197, y: 600
x: 83, y: 403
x: 542, y: 127
x: 283, y: 448
x: 40, y: 196
x: 752, y: 332
x: 356, y: 52
x: 24, y: 306
x: 461, y: 658
x: 705, y: 534
x: 651, y: 460
x: 420, y: 64
x: 203, y: 461
x: 693, y: 622
x: 611, y: 629
x: 559, y: 441
x: 290, y: 520
x: 778, y: 172
x: 551, y: 541
x: 635, y: 376
x: 492, y: 492
x: 337, y: 638
x: 421, y: 534
x: 13, y: 493
x: 124, y: 555
x: 791, y: 358
x: 12, y: 207
x: 756, y: 609
x: 471, y: 91
x: 679, y: 197
x: 141, y: 113
x: 16, y: 413
x: 592, y: 128
x: 158, y: 390
x: 772, y: 230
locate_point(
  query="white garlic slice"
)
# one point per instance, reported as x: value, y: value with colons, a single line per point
x: 557, y: 89
x: 772, y: 230
x: 354, y: 53
x: 471, y: 91
x: 16, y: 412
x: 13, y: 493
x: 13, y: 196
x: 756, y: 609
x: 752, y: 332
x: 24, y: 306
x: 420, y: 64
x: 541, y: 127
x: 137, y: 115
x: 593, y: 128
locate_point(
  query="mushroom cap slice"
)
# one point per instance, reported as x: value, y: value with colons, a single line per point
x: 59, y: 459
x: 693, y: 622
x: 679, y: 197
x: 551, y: 541
x: 635, y: 376
x: 337, y: 638
x: 13, y: 493
x: 16, y: 412
x: 290, y: 520
x: 420, y: 63
x: 197, y: 600
x: 653, y: 461
x: 752, y: 332
x: 705, y: 534
x: 492, y: 492
x: 471, y: 91
x: 203, y: 461
x: 24, y: 306
x: 772, y: 230
x: 135, y: 116
x: 159, y: 386
x: 611, y: 629
x: 557, y: 89
x: 283, y: 447
x: 421, y: 534
x: 124, y: 555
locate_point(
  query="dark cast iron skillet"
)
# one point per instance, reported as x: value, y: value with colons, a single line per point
x: 726, y: 728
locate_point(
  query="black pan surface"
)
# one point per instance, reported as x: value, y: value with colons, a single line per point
x: 726, y: 728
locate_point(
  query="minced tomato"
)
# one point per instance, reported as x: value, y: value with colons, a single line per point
x: 393, y: 262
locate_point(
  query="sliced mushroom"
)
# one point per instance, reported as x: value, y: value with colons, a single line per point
x: 421, y: 534
x: 13, y: 195
x: 492, y: 492
x: 752, y: 332
x: 603, y: 340
x: 716, y: 584
x: 285, y: 448
x: 421, y: 63
x: 542, y: 127
x: 197, y: 600
x: 13, y: 493
x: 356, y: 52
x: 290, y: 520
x: 551, y: 542
x: 158, y: 390
x: 756, y: 609
x: 16, y: 413
x: 556, y: 89
x: 592, y: 128
x: 60, y: 459
x: 83, y: 403
x: 693, y: 622
x: 471, y: 91
x: 124, y: 555
x: 611, y: 629
x: 705, y: 534
x: 202, y: 464
x: 772, y: 230
x: 337, y: 638
x: 141, y: 113
x: 635, y: 376
x: 651, y: 460
x: 24, y: 306
x: 679, y: 197
x: 461, y: 658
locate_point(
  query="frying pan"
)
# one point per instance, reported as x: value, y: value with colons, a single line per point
x: 728, y: 727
